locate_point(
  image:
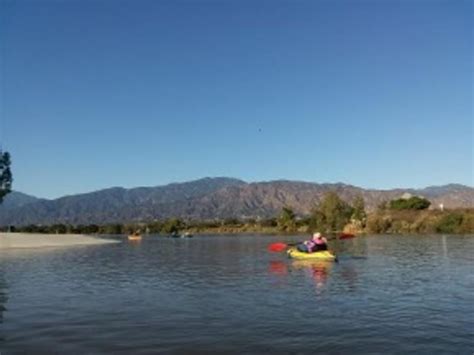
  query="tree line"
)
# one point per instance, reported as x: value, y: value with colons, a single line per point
x: 167, y: 226
x: 331, y: 214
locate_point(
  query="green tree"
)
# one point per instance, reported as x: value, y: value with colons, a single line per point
x: 58, y: 228
x: 359, y: 209
x: 337, y: 213
x: 112, y: 229
x: 30, y: 228
x: 412, y: 203
x: 6, y: 177
x: 317, y: 220
x: 287, y: 220
x: 90, y: 229
x: 173, y: 225
x: 155, y: 227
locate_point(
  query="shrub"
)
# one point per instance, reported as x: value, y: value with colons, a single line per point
x: 467, y: 225
x: 450, y: 223
x: 270, y: 222
x: 231, y: 222
x: 378, y: 224
x: 412, y: 203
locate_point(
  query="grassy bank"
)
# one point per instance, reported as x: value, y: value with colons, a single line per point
x: 423, y: 221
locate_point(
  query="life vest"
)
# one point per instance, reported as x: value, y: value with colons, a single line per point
x: 319, y: 241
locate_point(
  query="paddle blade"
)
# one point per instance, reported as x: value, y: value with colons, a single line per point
x: 277, y: 247
x: 346, y: 236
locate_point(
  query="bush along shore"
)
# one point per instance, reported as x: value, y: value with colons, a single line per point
x: 406, y: 215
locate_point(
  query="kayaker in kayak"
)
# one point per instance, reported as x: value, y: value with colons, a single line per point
x: 317, y: 243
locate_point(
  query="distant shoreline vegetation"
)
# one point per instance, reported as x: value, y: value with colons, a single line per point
x: 406, y: 215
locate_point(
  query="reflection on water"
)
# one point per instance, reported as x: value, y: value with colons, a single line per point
x: 316, y: 271
x: 3, y: 301
x: 3, y: 295
x: 278, y: 267
x: 445, y: 246
x: 226, y: 294
x: 349, y: 276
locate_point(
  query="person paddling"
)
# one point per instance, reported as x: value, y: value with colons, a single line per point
x: 317, y: 243
x: 321, y: 243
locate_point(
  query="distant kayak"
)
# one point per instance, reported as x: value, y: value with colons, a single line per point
x: 317, y: 255
x: 134, y: 237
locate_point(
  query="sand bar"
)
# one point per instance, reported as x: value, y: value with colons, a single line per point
x: 27, y: 240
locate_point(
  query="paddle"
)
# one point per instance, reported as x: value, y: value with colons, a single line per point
x: 280, y: 246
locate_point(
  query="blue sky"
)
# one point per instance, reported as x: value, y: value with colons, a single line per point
x: 130, y: 93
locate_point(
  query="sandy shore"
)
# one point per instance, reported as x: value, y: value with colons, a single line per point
x: 26, y: 240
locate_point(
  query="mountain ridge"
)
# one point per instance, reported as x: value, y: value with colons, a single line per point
x: 206, y: 198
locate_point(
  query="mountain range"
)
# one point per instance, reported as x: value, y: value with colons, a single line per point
x: 207, y: 198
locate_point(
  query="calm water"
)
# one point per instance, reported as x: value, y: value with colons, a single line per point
x: 227, y: 294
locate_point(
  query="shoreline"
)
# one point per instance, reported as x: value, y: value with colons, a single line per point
x: 36, y: 240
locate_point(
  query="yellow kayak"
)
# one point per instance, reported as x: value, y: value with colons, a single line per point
x: 318, y: 255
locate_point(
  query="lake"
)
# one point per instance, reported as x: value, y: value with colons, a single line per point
x: 228, y: 294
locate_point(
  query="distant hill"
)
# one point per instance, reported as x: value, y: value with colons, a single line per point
x: 206, y: 198
x: 17, y: 199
